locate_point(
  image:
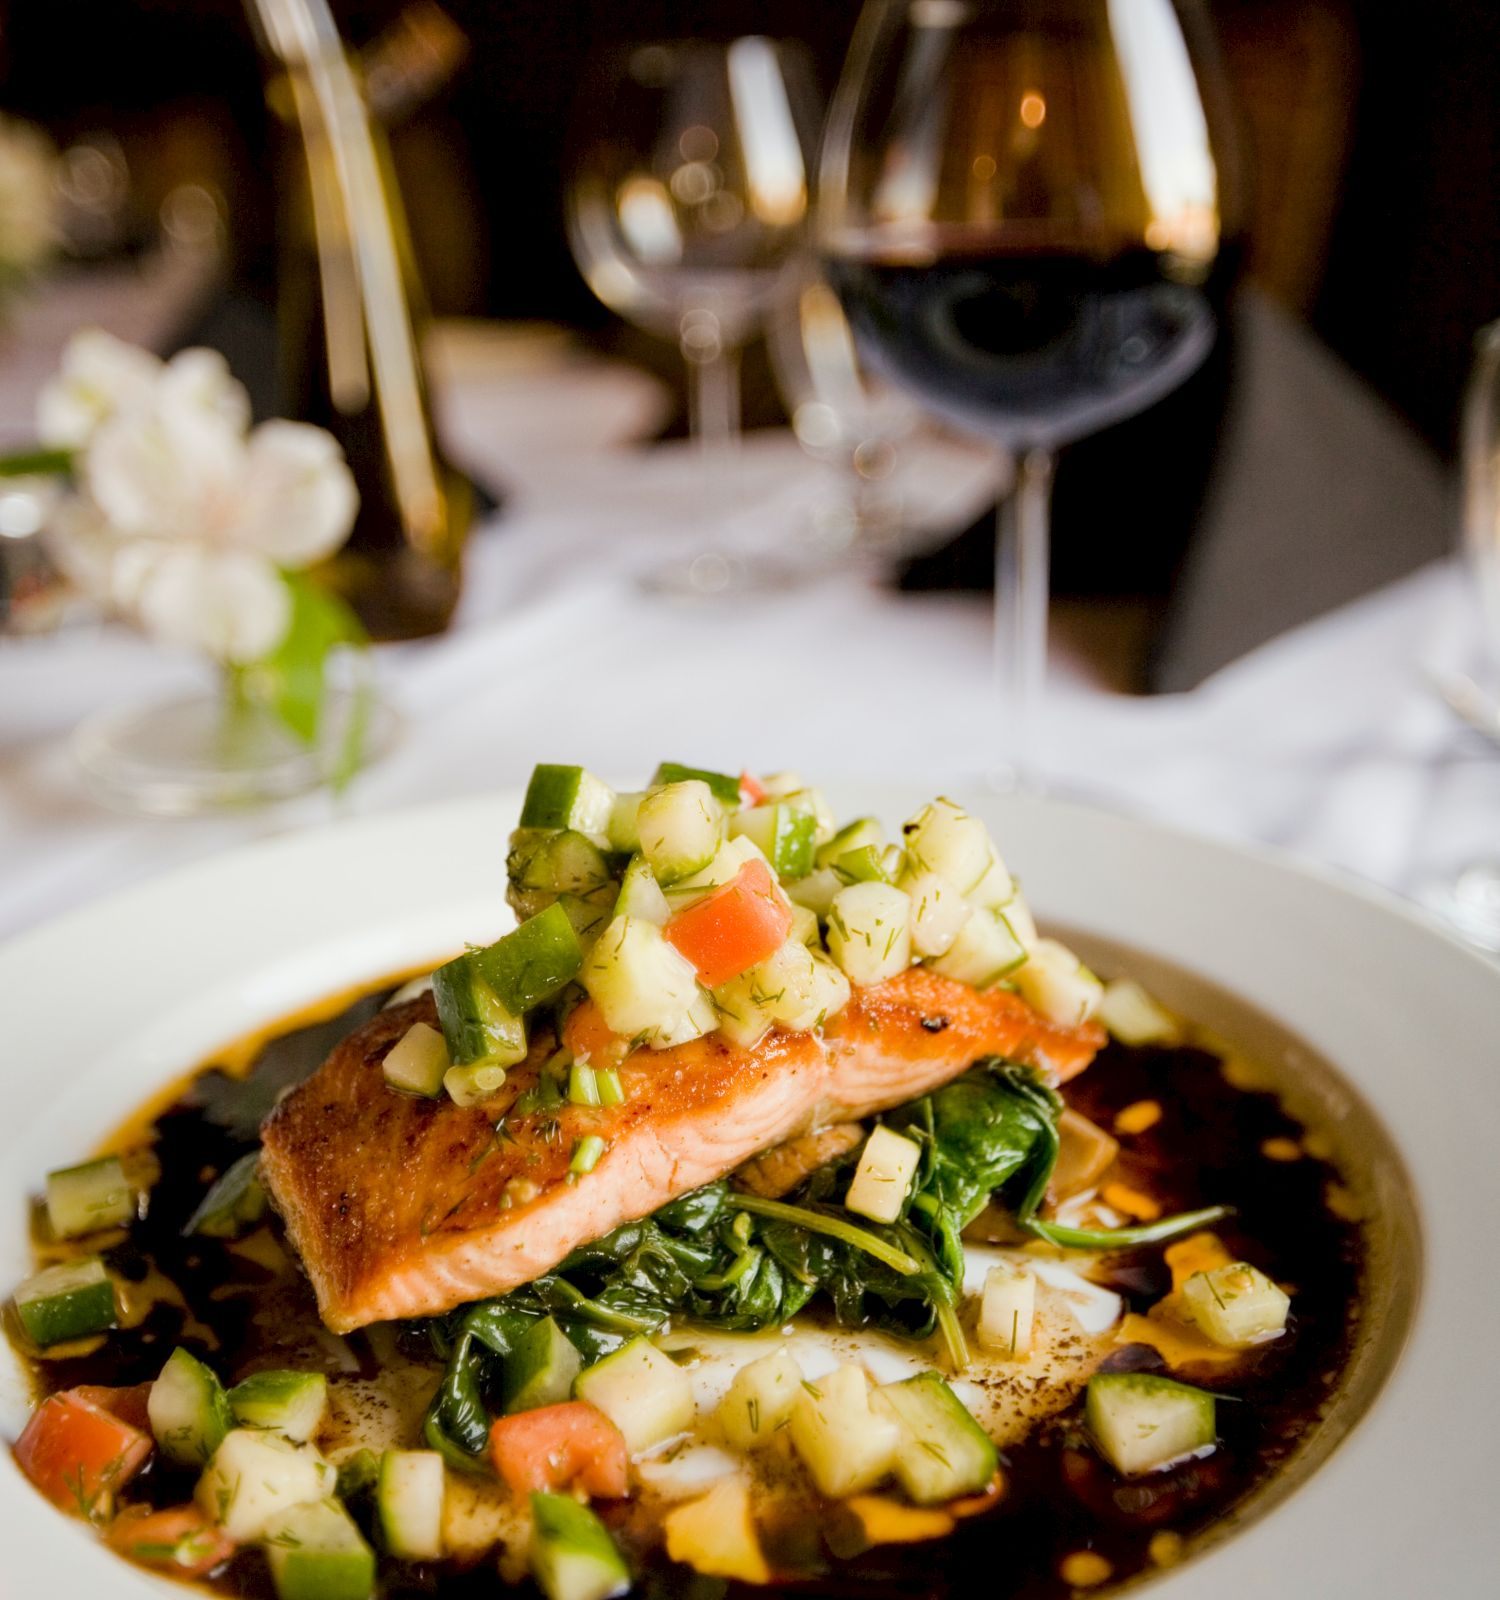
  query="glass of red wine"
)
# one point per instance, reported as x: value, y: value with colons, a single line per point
x: 1027, y: 210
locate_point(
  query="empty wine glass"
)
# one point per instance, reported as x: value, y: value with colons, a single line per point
x: 1026, y: 209
x: 844, y: 414
x: 686, y: 204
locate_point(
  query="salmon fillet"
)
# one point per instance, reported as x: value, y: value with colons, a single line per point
x: 405, y: 1207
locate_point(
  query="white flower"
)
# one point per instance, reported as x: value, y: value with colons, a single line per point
x: 232, y: 604
x: 28, y: 218
x: 99, y: 377
x: 302, y: 499
x: 201, y: 381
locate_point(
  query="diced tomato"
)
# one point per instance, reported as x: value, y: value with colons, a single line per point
x: 752, y: 791
x: 734, y: 928
x: 179, y: 1540
x: 78, y: 1452
x: 129, y: 1405
x: 559, y: 1447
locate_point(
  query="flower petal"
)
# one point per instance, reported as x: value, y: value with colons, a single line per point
x: 200, y: 380
x: 170, y: 471
x: 229, y: 603
x: 301, y: 499
x: 100, y: 376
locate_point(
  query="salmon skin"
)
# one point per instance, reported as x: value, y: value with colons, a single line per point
x: 406, y: 1207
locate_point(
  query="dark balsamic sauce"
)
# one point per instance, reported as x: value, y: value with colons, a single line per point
x: 247, y: 1309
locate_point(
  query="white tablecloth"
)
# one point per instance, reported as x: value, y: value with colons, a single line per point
x: 1326, y: 741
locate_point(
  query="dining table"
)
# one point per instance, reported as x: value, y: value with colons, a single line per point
x: 1326, y: 741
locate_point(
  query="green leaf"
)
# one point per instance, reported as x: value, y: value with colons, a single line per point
x: 37, y: 463
x: 293, y: 680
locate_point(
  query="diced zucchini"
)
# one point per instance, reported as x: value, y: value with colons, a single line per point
x: 984, y: 952
x: 886, y: 1167
x: 289, y: 1403
x: 69, y: 1301
x: 640, y: 894
x: 556, y: 863
x: 1143, y: 1422
x: 477, y: 1028
x: 532, y: 963
x: 715, y: 1534
x: 1133, y: 1017
x: 943, y: 1451
x: 234, y: 1204
x: 315, y: 1552
x: 943, y: 838
x: 473, y: 1083
x: 541, y: 1369
x: 255, y: 1476
x: 938, y: 913
x: 681, y: 827
x: 1007, y: 1311
x: 759, y: 1400
x: 816, y: 890
x: 995, y: 889
x: 845, y: 1446
x: 566, y: 797
x: 622, y: 831
x: 1236, y: 1305
x: 415, y: 1064
x: 572, y: 1554
x: 852, y: 836
x: 783, y: 834
x: 588, y: 914
x: 644, y: 988
x: 189, y: 1410
x: 88, y: 1198
x: 724, y: 786
x: 643, y: 1392
x: 409, y: 1504
x: 869, y: 932
x: 1058, y: 984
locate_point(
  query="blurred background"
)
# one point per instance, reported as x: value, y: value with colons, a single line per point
x: 1372, y: 233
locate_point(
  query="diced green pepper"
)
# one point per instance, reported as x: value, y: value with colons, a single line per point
x: 726, y: 788
x: 68, y: 1301
x: 234, y: 1204
x: 566, y: 797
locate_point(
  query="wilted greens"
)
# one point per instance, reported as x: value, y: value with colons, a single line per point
x: 737, y: 1262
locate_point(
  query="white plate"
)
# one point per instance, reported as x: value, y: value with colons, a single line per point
x: 109, y: 1004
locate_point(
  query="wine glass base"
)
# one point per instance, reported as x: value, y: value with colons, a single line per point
x: 720, y: 574
x: 199, y: 754
x: 1470, y: 904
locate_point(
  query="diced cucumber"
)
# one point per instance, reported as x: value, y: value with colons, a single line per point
x: 477, y: 1028
x: 1143, y: 1422
x: 724, y: 786
x: 943, y: 838
x: 289, y: 1403
x: 315, y: 1552
x: 473, y: 1083
x: 681, y: 827
x: 886, y: 1167
x: 254, y: 1477
x: 358, y: 1475
x: 759, y: 1400
x: 640, y: 894
x: 845, y: 1446
x: 869, y: 864
x: 1019, y: 920
x: 778, y: 785
x: 572, y: 1554
x: 1236, y: 1305
x: 869, y: 931
x: 623, y: 830
x: 234, y: 1204
x: 1058, y: 984
x: 588, y: 915
x: 805, y: 929
x: 88, y: 1198
x: 644, y: 988
x: 938, y: 913
x: 566, y: 797
x: 643, y: 1392
x: 532, y: 963
x: 995, y: 889
x: 189, y: 1410
x: 816, y: 890
x: 798, y: 988
x: 541, y: 1369
x: 984, y: 952
x: 728, y: 860
x: 944, y: 1452
x: 852, y: 836
x: 1007, y: 1311
x: 556, y: 863
x: 715, y: 1534
x: 1133, y: 1017
x: 783, y: 834
x: 415, y: 1064
x: 409, y: 1504
x: 812, y: 802
x: 69, y: 1301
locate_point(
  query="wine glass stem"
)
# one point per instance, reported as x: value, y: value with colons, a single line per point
x: 1022, y: 536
